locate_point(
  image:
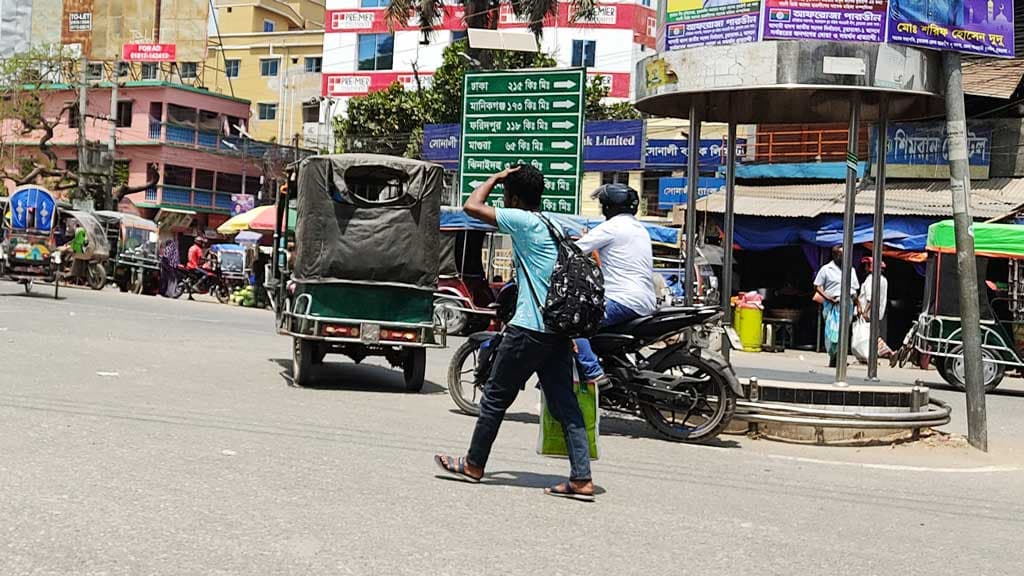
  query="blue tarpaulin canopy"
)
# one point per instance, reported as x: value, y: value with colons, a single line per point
x: 457, y: 219
x: 909, y: 233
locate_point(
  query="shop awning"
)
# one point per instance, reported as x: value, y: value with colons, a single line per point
x: 904, y: 233
x: 174, y: 218
x: 998, y: 240
x: 993, y: 198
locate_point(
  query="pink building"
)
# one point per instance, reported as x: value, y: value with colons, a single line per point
x: 189, y: 135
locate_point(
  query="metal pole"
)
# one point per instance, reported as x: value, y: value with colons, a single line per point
x: 112, y: 144
x: 960, y: 186
x: 879, y: 237
x: 845, y: 296
x: 730, y: 229
x: 83, y: 78
x: 692, y: 175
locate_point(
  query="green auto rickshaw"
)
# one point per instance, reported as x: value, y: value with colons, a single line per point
x: 937, y: 335
x: 361, y: 276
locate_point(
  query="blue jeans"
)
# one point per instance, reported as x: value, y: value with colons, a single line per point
x: 614, y: 313
x: 521, y: 354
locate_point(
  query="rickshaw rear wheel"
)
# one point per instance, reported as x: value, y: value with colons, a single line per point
x: 302, y: 361
x: 415, y: 368
x: 28, y: 286
x: 453, y: 319
x: 953, y: 371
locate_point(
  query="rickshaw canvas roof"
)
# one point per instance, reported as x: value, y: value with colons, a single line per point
x: 993, y: 240
x: 341, y: 236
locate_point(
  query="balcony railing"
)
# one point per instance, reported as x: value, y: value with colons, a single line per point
x: 216, y: 141
x: 189, y: 197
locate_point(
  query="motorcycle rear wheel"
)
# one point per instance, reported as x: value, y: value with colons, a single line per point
x: 222, y: 292
x: 461, y: 378
x: 710, y: 380
x: 97, y: 276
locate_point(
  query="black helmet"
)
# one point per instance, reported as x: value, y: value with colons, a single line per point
x: 617, y: 198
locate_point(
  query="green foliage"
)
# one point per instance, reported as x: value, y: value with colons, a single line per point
x: 381, y: 122
x: 391, y: 121
x: 596, y: 110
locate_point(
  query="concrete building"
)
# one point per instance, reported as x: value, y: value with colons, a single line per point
x: 178, y: 130
x: 361, y: 53
x: 270, y: 52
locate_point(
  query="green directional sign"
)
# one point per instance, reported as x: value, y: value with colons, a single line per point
x: 525, y: 117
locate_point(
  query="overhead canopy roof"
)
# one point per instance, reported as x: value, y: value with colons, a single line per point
x: 992, y: 77
x: 994, y: 198
x: 1000, y: 240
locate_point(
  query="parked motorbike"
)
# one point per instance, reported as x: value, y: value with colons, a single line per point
x: 683, y: 392
x: 202, y: 282
x: 81, y: 272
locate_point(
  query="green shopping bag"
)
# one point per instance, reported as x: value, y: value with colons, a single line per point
x: 551, y: 438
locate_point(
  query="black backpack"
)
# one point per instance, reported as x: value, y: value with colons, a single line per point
x: 575, y: 302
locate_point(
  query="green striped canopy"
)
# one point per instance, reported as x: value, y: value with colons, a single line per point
x: 998, y: 240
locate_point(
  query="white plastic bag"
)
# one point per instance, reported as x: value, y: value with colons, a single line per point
x: 861, y: 338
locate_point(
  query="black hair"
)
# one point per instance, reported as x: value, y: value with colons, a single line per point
x: 527, y: 184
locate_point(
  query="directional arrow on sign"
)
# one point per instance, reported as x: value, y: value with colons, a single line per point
x: 563, y: 104
x: 566, y: 124
x: 564, y: 84
x: 560, y: 166
x: 561, y: 145
x: 475, y: 183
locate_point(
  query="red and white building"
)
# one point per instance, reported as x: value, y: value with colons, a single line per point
x: 361, y: 54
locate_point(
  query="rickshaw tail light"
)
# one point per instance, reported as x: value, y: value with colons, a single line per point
x: 402, y: 335
x: 341, y: 331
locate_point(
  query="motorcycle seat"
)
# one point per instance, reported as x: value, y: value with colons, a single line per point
x: 664, y: 321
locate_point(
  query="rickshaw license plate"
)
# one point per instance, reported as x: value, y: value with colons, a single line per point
x: 369, y: 333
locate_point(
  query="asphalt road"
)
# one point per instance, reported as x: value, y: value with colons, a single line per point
x: 146, y: 436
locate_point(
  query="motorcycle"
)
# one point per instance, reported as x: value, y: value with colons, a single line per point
x: 202, y: 282
x: 683, y: 392
x: 79, y: 272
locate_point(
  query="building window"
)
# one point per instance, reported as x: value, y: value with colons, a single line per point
x: 458, y: 35
x: 314, y: 64
x: 376, y: 51
x: 648, y: 3
x: 268, y: 66
x: 124, y: 114
x: 150, y: 70
x: 188, y: 69
x: 268, y: 25
x: 583, y: 52
x: 73, y: 116
x: 267, y: 111
x: 310, y: 112
x: 374, y: 3
x: 94, y: 71
x: 123, y: 68
x: 231, y: 68
x: 178, y: 175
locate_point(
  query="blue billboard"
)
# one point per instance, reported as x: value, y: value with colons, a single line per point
x: 672, y: 191
x: 441, y: 144
x: 673, y: 154
x: 613, y: 145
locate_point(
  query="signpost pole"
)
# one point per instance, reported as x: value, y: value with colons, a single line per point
x: 83, y: 80
x: 970, y: 315
x: 879, y: 235
x: 846, y: 293
x: 692, y: 183
x: 730, y: 229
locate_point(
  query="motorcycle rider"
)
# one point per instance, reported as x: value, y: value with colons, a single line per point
x: 196, y: 260
x: 624, y: 250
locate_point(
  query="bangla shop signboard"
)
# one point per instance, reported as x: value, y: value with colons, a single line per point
x: 530, y: 117
x: 672, y: 191
x: 983, y: 27
x: 921, y: 150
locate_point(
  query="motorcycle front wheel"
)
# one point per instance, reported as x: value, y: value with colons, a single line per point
x: 706, y: 402
x: 222, y: 292
x: 461, y: 378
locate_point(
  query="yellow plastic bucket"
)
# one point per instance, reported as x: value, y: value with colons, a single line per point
x: 748, y: 327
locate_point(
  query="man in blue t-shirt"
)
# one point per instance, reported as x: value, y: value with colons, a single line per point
x: 527, y: 347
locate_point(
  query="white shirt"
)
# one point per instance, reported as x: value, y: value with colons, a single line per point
x: 627, y: 261
x: 865, y: 296
x: 830, y: 278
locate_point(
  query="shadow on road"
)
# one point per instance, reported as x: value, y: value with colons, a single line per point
x: 615, y: 425
x: 354, y: 378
